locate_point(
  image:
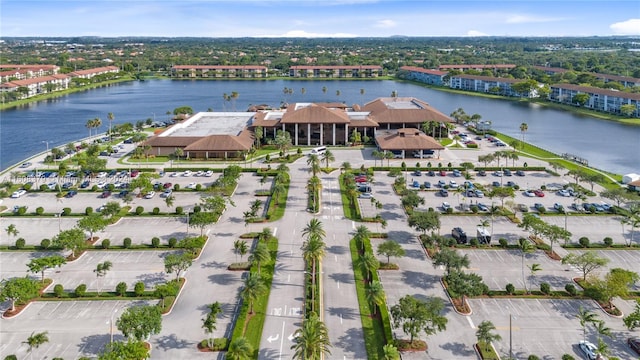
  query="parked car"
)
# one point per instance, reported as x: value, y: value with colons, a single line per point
x: 366, y: 195
x: 459, y: 235
x: 416, y: 184
x: 442, y: 173
x: 468, y: 185
x: 208, y: 173
x: 101, y: 174
x: 174, y: 174
x: 441, y: 183
x: 478, y: 193
x: 529, y: 193
x: 431, y: 173
x: 446, y: 206
x: 18, y: 193
x: 187, y: 173
x: 167, y: 185
x: 52, y: 185
x: 511, y: 184
x: 444, y: 192
x: 199, y: 173
x: 123, y: 193
x: 25, y: 165
x: 482, y: 173
x: 538, y: 193
x: 495, y: 184
x: 85, y: 184
x: 507, y: 172
x: 150, y: 195
x: 105, y: 194
x: 417, y: 173
x: 456, y: 173
x: 101, y: 184
x: 71, y: 194
x: 564, y: 192
x: 520, y: 173
x: 523, y: 208
x: 558, y: 207
x: 453, y: 184
x: 482, y: 207
x: 427, y: 185
x: 589, y: 350
x: 191, y: 186
x: 497, y: 173
x: 538, y: 206
x: 134, y: 173
x: 166, y: 193
x: 634, y: 344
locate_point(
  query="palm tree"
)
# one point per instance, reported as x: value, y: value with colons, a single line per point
x: 278, y: 189
x: 314, y: 228
x: 209, y: 322
x: 368, y: 264
x: 240, y: 247
x: 602, y: 329
x: 90, y: 125
x: 314, y: 186
x: 314, y: 163
x: 260, y: 255
x: 391, y: 352
x: 253, y: 288
x: 265, y: 234
x: 525, y: 247
x: 169, y: 200
x: 240, y: 349
x: 313, y: 250
x: 586, y: 317
x: 523, y: 129
x: 362, y: 93
x: 110, y: 116
x: 35, y: 340
x: 233, y: 97
x: 533, y: 268
x: 485, y: 334
x: 312, y: 339
x: 375, y: 295
x: 361, y: 235
x: 101, y: 270
x: 328, y: 157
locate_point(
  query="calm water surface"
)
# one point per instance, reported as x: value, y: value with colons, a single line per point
x: 606, y: 145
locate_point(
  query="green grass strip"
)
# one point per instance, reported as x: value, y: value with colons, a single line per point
x: 255, y: 324
x: 374, y: 331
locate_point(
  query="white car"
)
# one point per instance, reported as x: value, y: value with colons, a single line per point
x: 589, y: 350
x: 166, y: 193
x: 529, y: 193
x: 564, y: 192
x: 150, y: 195
x: 101, y: 175
x: 453, y: 184
x: 446, y: 206
x: 17, y: 194
x: 209, y: 173
x: 101, y: 184
x: 191, y: 186
x: 52, y: 185
x: 199, y: 173
x: 174, y: 174
x: 187, y: 173
x: 365, y: 195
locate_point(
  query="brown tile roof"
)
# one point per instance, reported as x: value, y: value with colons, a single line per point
x: 171, y: 141
x: 219, y: 67
x: 595, y: 90
x: 478, y: 66
x: 406, y: 139
x: 258, y: 120
x: 94, y: 71
x: 382, y: 114
x: 241, y: 142
x: 315, y: 114
x: 336, y: 67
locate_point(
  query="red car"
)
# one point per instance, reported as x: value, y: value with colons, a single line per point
x: 442, y: 173
x: 167, y: 185
x: 135, y: 173
x: 538, y: 193
x: 105, y: 194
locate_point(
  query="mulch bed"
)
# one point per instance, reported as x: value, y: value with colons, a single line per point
x: 408, y: 346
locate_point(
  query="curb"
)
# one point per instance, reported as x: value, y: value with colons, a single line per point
x: 451, y: 300
x: 175, y: 301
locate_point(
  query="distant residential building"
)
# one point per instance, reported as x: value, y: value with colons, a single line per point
x: 486, y: 84
x: 609, y: 101
x: 465, y: 67
x: 38, y: 85
x: 10, y: 72
x: 90, y: 73
x: 427, y: 76
x: 550, y: 70
x: 219, y: 71
x: 335, y: 71
x: 625, y: 81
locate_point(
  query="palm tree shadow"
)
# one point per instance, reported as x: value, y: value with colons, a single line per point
x: 169, y: 342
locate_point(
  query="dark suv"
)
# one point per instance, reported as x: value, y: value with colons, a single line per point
x: 459, y: 235
x: 634, y: 344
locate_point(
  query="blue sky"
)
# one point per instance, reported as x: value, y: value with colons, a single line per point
x: 323, y: 18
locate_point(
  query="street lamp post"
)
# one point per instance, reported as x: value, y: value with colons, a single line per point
x: 111, y: 325
x: 510, y: 339
x: 45, y: 156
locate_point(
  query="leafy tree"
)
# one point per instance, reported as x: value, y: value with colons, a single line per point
x: 192, y: 245
x: 632, y: 321
x: 110, y: 209
x: 177, y: 263
x: 209, y: 322
x: 311, y: 340
x: 416, y: 316
x: 130, y: 349
x: 390, y: 248
x: 411, y: 199
x: 170, y: 288
x: 202, y: 219
x: 451, y: 260
x: 462, y: 285
x: 485, y: 334
x: 92, y: 223
x: 72, y: 239
x: 40, y: 265
x: 140, y: 322
x: 18, y: 290
x: 424, y: 221
x: 525, y: 247
x: 618, y: 195
x: 240, y: 349
x: 555, y: 233
x: 587, y: 262
x: 502, y: 193
x: 253, y: 288
x: 35, y: 340
x: 615, y: 284
x: 283, y: 140
x: 260, y: 255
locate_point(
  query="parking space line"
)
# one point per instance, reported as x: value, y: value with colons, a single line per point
x: 470, y: 322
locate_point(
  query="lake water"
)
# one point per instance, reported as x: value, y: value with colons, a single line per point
x: 606, y: 145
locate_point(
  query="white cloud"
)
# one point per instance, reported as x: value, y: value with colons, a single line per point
x: 528, y: 19
x: 304, y: 34
x: 476, y: 33
x: 385, y: 24
x: 629, y: 27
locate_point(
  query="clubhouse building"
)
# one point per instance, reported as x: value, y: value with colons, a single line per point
x: 393, y: 123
